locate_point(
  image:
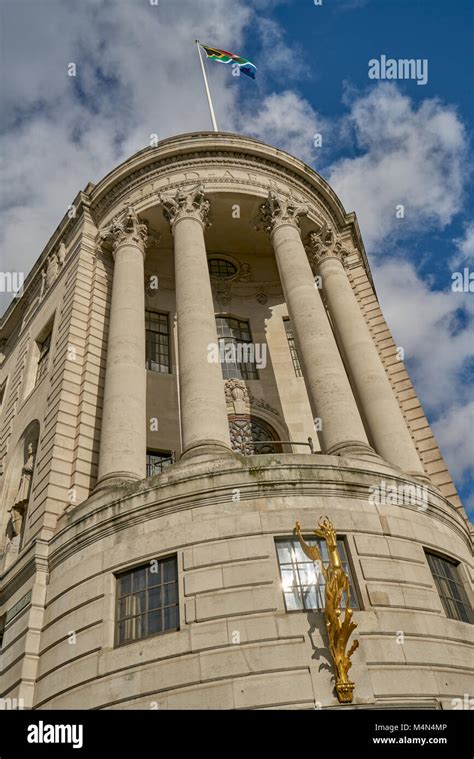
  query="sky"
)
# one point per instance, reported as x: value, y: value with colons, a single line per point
x: 397, y: 152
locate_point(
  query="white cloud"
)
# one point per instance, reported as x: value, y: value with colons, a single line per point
x: 286, y: 121
x: 436, y: 331
x: 137, y: 74
x: 464, y: 248
x: 413, y: 156
x: 455, y: 430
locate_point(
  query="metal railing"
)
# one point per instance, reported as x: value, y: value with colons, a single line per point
x: 309, y: 444
x: 156, y: 467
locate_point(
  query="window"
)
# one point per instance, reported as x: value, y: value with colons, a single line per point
x: 450, y: 588
x: 302, y: 582
x: 156, y: 461
x: 157, y: 342
x: 2, y: 629
x: 292, y: 347
x: 221, y: 269
x: 147, y: 600
x: 42, y: 366
x: 236, y: 348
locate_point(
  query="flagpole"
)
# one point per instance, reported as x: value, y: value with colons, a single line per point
x: 208, y: 92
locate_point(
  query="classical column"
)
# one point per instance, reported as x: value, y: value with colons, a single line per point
x: 123, y: 435
x: 204, y: 424
x: 328, y: 386
x: 384, y: 419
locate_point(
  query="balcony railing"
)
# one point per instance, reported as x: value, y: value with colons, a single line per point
x: 156, y: 467
x: 309, y: 444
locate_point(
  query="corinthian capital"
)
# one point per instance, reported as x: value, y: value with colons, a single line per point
x: 127, y: 228
x: 186, y: 203
x: 278, y: 210
x: 323, y: 244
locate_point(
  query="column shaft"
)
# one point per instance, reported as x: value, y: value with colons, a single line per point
x: 204, y: 422
x: 123, y: 434
x: 383, y: 416
x: 325, y: 375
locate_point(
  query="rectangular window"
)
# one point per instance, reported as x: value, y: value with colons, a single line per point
x: 236, y: 349
x: 157, y: 342
x: 450, y: 588
x: 147, y: 600
x: 292, y: 346
x: 156, y: 461
x: 302, y: 581
x: 2, y: 629
x: 42, y: 366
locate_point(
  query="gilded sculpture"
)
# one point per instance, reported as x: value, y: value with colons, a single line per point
x: 337, y: 583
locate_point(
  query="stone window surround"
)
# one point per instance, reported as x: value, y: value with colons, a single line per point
x: 31, y: 363
x: 110, y: 598
x: 143, y: 565
x: 463, y: 582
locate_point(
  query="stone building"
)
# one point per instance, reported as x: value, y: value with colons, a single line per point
x: 197, y: 361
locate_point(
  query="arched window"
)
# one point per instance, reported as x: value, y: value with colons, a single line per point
x: 250, y: 435
x: 220, y: 268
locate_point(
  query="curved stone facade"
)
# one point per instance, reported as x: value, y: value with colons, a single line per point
x: 139, y: 243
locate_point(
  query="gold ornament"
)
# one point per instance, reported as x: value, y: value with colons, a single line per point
x: 337, y: 582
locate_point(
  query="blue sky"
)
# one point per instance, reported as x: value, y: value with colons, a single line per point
x: 384, y: 143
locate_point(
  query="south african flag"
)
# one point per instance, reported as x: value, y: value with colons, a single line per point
x: 222, y: 56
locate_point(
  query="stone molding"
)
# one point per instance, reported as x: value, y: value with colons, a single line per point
x: 117, y: 511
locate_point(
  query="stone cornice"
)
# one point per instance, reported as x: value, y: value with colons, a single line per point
x: 267, y: 476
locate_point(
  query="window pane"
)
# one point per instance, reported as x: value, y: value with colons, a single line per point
x: 140, y: 626
x: 293, y: 601
x: 303, y: 582
x: 284, y: 551
x: 139, y: 603
x: 154, y: 598
x: 169, y: 570
x: 155, y: 623
x: 154, y: 573
x: 139, y: 580
x: 170, y: 617
x: 170, y: 593
x: 309, y: 597
x: 125, y: 584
